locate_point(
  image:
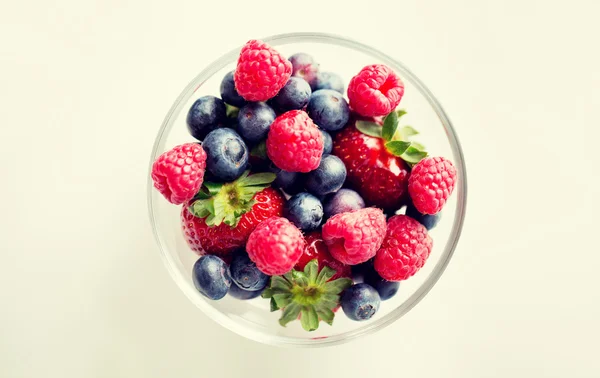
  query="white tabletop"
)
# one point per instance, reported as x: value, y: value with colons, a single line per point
x: 84, y: 86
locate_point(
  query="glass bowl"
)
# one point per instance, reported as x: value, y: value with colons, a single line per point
x: 252, y: 319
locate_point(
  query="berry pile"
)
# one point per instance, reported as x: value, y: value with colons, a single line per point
x: 293, y: 193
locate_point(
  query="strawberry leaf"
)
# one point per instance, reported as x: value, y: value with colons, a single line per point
x: 213, y: 187
x: 413, y: 155
x: 397, y: 147
x: 326, y: 314
x: 337, y: 286
x: 290, y: 313
x: 231, y: 111
x: 312, y: 270
x: 390, y: 124
x: 325, y: 275
x: 300, y: 278
x: 369, y: 128
x: 418, y: 146
x: 257, y: 179
x: 278, y: 282
x: 273, y: 305
x: 407, y: 131
x: 267, y: 293
x: 309, y: 318
x: 400, y: 113
x: 282, y: 300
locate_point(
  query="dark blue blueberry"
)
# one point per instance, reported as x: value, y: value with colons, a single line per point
x: 289, y: 182
x: 304, y: 66
x: 429, y: 221
x: 304, y: 210
x: 254, y: 121
x: 342, y: 201
x: 211, y: 276
x: 385, y: 288
x: 328, y: 109
x: 327, y: 142
x: 328, y: 80
x: 205, y: 115
x: 294, y: 95
x: 228, y: 92
x: 226, y: 154
x: 360, y: 302
x: 242, y: 294
x: 245, y: 274
x: 328, y: 177
x: 359, y: 271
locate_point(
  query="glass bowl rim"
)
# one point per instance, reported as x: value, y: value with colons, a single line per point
x: 376, y: 324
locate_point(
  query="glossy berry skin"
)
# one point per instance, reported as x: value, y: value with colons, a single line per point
x: 342, y: 201
x: 328, y: 177
x: 317, y: 249
x: 205, y: 115
x: 227, y: 154
x: 242, y: 294
x: 378, y: 176
x: 304, y: 66
x: 327, y: 142
x: 386, y: 289
x: 290, y: 182
x: 355, y: 237
x: 178, y: 173
x: 375, y: 91
x: 328, y: 80
x: 211, y: 277
x: 245, y: 274
x: 404, y: 250
x: 360, y: 302
x: 294, y: 143
x: 294, y: 95
x: 254, y: 121
x: 328, y: 109
x: 304, y: 210
x: 228, y: 92
x: 275, y: 246
x: 427, y: 220
x: 431, y: 182
x: 359, y: 271
x: 260, y: 72
x: 222, y: 240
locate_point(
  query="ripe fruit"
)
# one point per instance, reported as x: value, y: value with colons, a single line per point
x: 254, y: 121
x: 328, y: 80
x: 246, y: 275
x: 405, y: 249
x: 328, y: 177
x: 342, y: 201
x: 355, y: 237
x: 327, y: 142
x: 427, y: 220
x: 360, y: 302
x: 317, y: 249
x: 328, y: 109
x: 304, y: 66
x: 228, y: 92
x: 294, y: 95
x: 242, y: 294
x: 386, y: 289
x: 211, y: 277
x: 205, y: 115
x: 431, y: 183
x: 261, y: 71
x: 227, y: 154
x: 275, y: 246
x: 375, y: 91
x: 178, y: 173
x: 290, y: 182
x: 294, y: 142
x: 304, y: 210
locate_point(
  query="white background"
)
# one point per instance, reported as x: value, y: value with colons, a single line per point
x: 85, y: 84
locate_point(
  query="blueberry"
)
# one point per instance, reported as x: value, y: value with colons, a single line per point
x: 205, y: 115
x: 359, y: 271
x: 227, y: 154
x: 327, y: 142
x: 254, y: 121
x: 294, y: 95
x: 385, y: 288
x: 211, y: 276
x: 304, y: 210
x: 342, y: 201
x: 429, y: 221
x: 328, y: 177
x: 328, y: 80
x: 289, y: 182
x: 360, y: 302
x: 304, y: 66
x: 228, y: 92
x: 328, y: 109
x: 242, y: 294
x: 245, y: 274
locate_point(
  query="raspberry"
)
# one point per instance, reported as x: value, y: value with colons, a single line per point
x: 375, y: 91
x: 355, y: 236
x: 179, y: 173
x: 430, y: 184
x: 294, y: 143
x: 275, y: 246
x: 405, y: 249
x: 261, y: 71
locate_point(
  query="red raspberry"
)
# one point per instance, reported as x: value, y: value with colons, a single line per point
x: 179, y: 173
x: 405, y: 249
x: 317, y: 249
x: 355, y: 236
x: 430, y: 184
x: 275, y: 246
x: 294, y: 143
x: 261, y: 71
x: 375, y: 91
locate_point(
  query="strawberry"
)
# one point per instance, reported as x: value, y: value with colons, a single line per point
x: 378, y: 157
x: 222, y: 216
x: 317, y: 249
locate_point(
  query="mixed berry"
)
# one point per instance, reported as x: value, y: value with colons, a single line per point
x: 291, y: 191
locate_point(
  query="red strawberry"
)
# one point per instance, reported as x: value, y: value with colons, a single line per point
x: 223, y: 221
x: 317, y: 249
